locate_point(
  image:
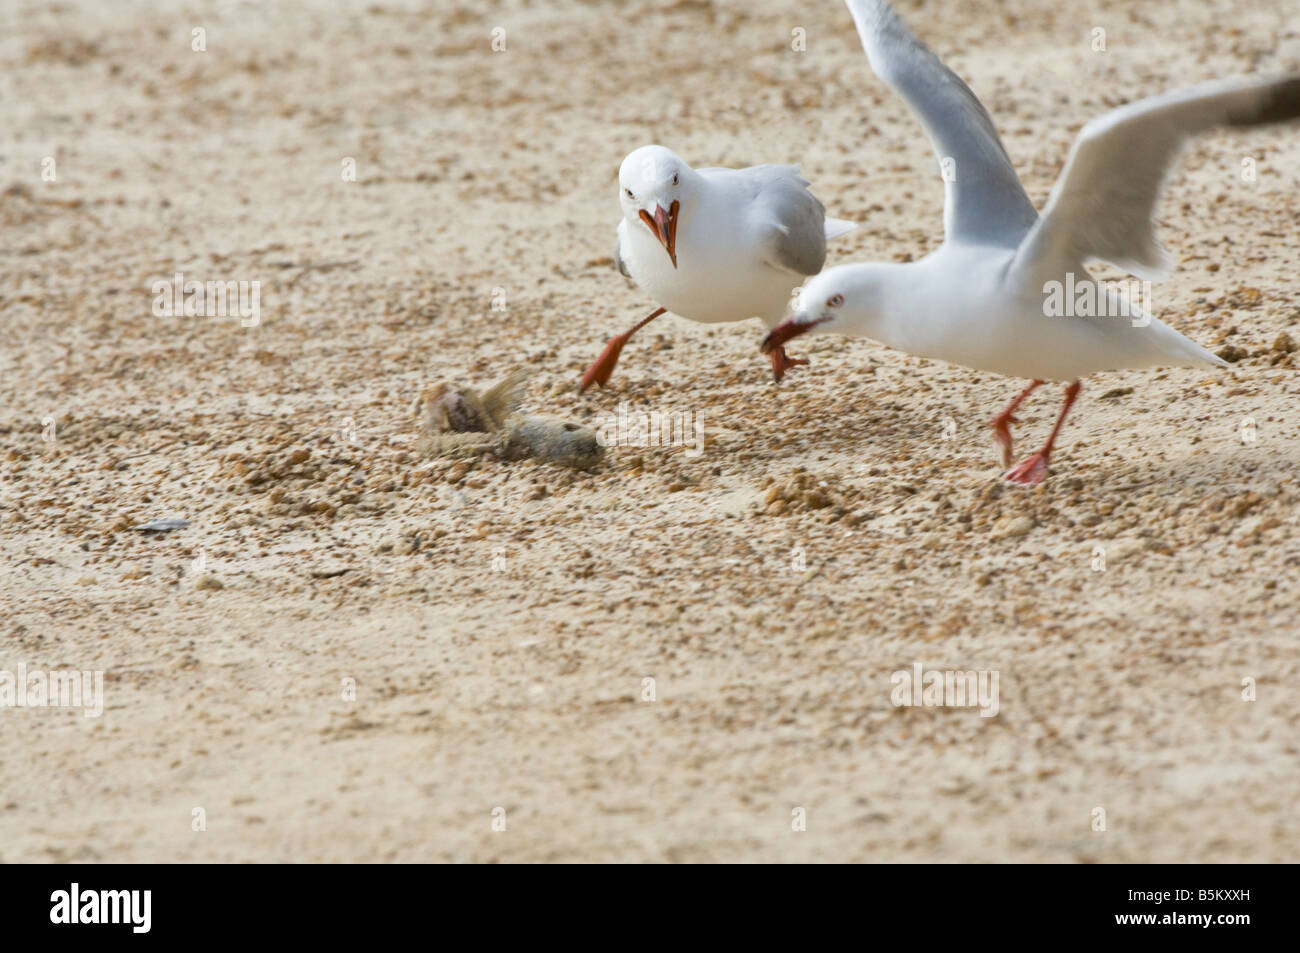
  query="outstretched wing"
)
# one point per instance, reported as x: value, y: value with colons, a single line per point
x: 983, y: 199
x: 1102, y: 206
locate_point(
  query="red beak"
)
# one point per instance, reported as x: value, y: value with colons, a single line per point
x: 790, y: 328
x: 664, y: 226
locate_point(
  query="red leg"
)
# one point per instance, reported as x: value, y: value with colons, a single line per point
x: 1034, y: 470
x: 782, y: 363
x: 1001, y: 423
x: 603, y: 366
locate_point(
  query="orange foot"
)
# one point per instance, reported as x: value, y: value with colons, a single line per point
x: 603, y: 366
x: 1002, y: 434
x: 1028, y: 472
x: 781, y: 363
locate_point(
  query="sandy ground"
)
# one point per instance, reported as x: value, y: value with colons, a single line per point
x: 499, y: 619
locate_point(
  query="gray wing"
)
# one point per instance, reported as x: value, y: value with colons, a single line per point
x: 791, y: 221
x: 1102, y: 206
x: 619, y: 263
x: 983, y: 198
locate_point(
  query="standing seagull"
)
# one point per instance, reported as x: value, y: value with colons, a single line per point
x: 981, y: 300
x: 715, y: 245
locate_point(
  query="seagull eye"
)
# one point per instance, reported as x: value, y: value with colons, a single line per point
x: 674, y: 178
x: 834, y: 301
x: 630, y: 195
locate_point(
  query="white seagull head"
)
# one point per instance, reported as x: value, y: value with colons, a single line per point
x: 653, y: 184
x: 846, y: 299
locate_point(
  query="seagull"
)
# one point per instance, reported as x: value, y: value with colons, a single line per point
x: 715, y: 245
x: 983, y: 299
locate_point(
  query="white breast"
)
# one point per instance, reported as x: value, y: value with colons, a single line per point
x: 720, y: 275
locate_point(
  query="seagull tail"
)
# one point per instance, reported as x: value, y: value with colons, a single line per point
x: 835, y: 227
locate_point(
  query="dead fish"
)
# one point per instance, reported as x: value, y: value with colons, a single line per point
x: 446, y: 408
x: 452, y: 416
x: 553, y: 441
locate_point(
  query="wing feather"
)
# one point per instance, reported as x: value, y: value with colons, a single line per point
x: 1103, y: 205
x: 983, y: 198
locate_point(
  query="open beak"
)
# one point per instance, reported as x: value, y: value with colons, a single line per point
x: 664, y: 226
x: 790, y: 328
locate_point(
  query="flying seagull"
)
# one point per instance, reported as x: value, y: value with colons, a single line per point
x: 715, y: 245
x: 984, y: 298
